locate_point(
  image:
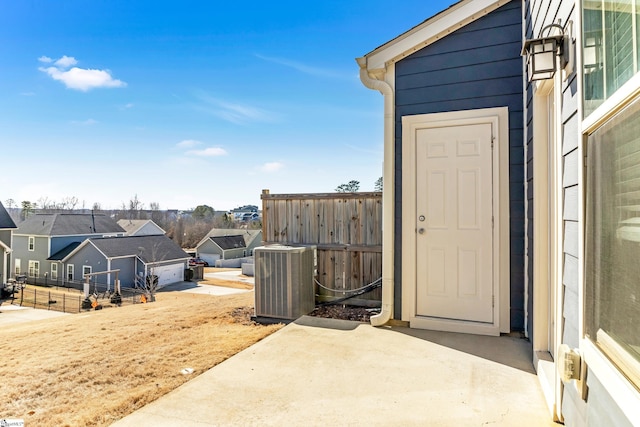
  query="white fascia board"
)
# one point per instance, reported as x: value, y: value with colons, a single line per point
x: 431, y: 30
x: 2, y: 245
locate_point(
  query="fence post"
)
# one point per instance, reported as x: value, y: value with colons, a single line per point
x: 35, y: 297
x: 49, y: 301
x: 64, y: 309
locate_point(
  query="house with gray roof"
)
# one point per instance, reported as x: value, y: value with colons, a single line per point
x: 222, y: 243
x: 7, y: 225
x: 134, y: 257
x: 140, y: 227
x: 42, y: 240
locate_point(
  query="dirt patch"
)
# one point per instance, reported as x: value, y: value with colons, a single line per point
x: 94, y: 368
x: 345, y: 312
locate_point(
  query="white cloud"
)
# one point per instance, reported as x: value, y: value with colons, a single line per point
x: 66, y: 62
x: 129, y: 105
x: 87, y: 122
x: 79, y: 78
x: 188, y: 143
x: 272, y: 167
x: 27, y: 93
x: 208, y: 152
x: 45, y: 59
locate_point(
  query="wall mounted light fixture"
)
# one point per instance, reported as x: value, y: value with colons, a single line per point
x: 542, y: 52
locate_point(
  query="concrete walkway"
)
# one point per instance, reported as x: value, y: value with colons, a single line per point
x: 327, y: 372
x: 12, y: 314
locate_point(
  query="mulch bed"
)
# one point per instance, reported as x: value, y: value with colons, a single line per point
x: 345, y: 312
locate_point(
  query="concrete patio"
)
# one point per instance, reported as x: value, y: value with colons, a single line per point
x: 327, y: 372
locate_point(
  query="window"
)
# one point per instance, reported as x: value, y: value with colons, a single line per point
x: 69, y: 272
x: 17, y: 267
x: 32, y: 243
x: 610, y: 48
x: 34, y: 268
x: 612, y: 240
x: 54, y: 271
x: 86, y: 269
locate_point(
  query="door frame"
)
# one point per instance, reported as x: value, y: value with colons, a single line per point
x: 547, y: 242
x: 499, y: 119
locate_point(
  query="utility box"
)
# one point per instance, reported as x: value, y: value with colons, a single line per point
x: 284, y: 287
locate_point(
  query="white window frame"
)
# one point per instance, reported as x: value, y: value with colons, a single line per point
x: 86, y: 269
x: 70, y: 272
x: 34, y: 268
x: 31, y: 244
x: 17, y: 267
x: 621, y: 390
x: 54, y: 271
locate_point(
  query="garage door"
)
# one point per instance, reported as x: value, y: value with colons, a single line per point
x: 168, y: 274
x: 209, y: 258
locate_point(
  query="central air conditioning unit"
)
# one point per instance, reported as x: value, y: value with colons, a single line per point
x: 284, y: 287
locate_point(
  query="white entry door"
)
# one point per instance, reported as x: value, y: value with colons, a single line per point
x: 453, y: 218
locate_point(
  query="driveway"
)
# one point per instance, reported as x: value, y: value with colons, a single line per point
x: 327, y: 372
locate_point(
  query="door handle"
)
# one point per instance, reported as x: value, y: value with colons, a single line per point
x: 421, y: 230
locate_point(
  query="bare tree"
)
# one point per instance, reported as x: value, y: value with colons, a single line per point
x: 69, y: 203
x: 135, y: 206
x: 151, y: 256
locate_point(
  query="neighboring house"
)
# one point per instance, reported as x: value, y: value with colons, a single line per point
x: 42, y: 240
x: 140, y: 227
x: 222, y: 243
x: 133, y: 256
x: 6, y: 231
x: 458, y: 102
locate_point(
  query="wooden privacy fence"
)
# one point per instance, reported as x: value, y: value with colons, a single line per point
x: 346, y: 228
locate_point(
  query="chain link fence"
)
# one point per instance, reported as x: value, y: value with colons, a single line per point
x: 71, y: 300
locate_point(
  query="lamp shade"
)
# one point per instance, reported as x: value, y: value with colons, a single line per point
x: 541, y: 58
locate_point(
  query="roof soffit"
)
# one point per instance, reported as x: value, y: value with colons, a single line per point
x: 431, y: 30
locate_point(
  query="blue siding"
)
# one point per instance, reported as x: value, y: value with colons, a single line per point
x: 478, y: 66
x: 60, y: 242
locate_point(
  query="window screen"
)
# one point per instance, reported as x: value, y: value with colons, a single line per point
x: 612, y: 240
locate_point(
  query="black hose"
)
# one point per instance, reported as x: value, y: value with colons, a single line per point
x: 369, y: 288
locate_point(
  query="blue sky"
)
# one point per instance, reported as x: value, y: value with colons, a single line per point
x: 193, y: 102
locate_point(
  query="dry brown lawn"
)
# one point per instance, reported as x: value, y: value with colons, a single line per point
x: 96, y: 367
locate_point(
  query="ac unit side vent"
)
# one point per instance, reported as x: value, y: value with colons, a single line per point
x: 284, y: 287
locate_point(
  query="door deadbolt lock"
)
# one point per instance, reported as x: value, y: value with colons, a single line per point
x: 421, y: 218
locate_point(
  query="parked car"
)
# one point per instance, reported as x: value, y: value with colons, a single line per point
x: 198, y: 261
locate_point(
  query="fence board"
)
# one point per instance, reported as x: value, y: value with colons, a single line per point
x: 345, y: 227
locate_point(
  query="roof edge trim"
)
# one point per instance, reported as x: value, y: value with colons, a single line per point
x: 431, y: 30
